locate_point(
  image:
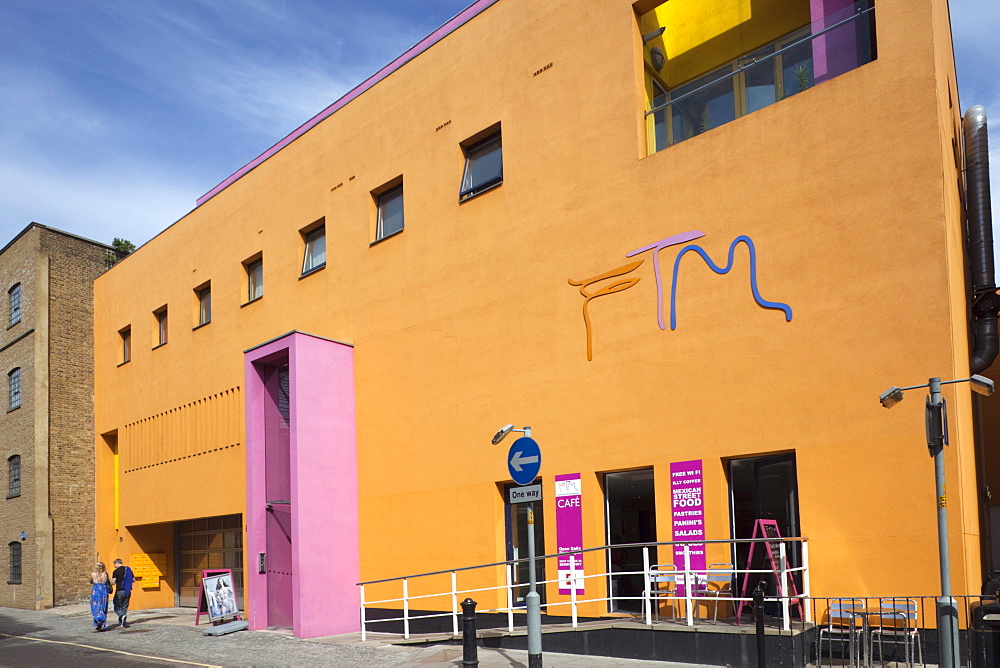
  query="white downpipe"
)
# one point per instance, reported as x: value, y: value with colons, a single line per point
x: 363, y: 632
x: 690, y: 583
x: 572, y: 584
x: 454, y: 604
x: 510, y: 598
x: 406, y: 609
x: 786, y: 617
x: 647, y: 595
x: 805, y: 581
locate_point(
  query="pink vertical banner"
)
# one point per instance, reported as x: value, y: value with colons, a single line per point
x: 569, y: 532
x: 686, y: 492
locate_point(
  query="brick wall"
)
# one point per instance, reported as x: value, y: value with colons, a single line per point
x: 62, y: 267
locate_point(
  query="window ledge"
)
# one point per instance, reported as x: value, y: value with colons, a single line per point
x: 252, y: 301
x: 13, y: 324
x: 124, y: 363
x: 11, y: 410
x: 159, y: 345
x: 388, y: 236
x: 13, y: 582
x: 13, y: 496
x: 312, y: 271
x: 209, y: 322
x: 476, y: 193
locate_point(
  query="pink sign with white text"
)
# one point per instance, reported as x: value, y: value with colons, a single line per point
x: 569, y: 532
x: 686, y: 492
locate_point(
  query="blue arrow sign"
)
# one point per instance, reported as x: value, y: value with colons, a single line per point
x: 524, y: 459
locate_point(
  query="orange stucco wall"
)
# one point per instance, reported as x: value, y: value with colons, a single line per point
x: 466, y: 321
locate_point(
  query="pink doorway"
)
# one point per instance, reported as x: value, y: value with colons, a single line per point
x: 302, y: 505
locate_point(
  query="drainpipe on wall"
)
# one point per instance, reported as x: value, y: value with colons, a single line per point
x: 985, y: 303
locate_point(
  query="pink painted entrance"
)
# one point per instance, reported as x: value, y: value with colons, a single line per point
x: 302, y: 493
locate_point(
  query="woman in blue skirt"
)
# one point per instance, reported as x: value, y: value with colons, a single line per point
x: 99, y: 595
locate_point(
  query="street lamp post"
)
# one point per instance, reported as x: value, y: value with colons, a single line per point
x: 532, y: 602
x: 936, y: 420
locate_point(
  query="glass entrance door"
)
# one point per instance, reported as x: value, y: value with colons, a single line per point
x: 630, y: 517
x: 517, y: 546
x: 764, y: 488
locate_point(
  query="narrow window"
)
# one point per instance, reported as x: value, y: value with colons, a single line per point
x: 161, y: 325
x: 483, y: 167
x: 126, y: 335
x: 14, y: 296
x: 204, y: 294
x: 14, y: 378
x: 390, y: 213
x: 314, y: 256
x: 14, y: 476
x: 255, y: 279
x: 14, y: 576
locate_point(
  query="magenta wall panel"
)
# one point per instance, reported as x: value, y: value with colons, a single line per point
x: 323, y: 484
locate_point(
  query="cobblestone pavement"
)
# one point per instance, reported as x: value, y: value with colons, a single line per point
x: 169, y: 636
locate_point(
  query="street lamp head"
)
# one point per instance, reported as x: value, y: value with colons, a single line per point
x: 981, y: 385
x: 500, y: 435
x: 891, y: 397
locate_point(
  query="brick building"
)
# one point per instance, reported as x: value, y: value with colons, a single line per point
x: 47, y: 416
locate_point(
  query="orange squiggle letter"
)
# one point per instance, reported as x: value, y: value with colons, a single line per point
x: 609, y: 289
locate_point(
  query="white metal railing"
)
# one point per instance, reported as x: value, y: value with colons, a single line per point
x: 650, y: 572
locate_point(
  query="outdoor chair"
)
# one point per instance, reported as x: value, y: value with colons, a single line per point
x: 718, y: 584
x: 898, y: 624
x: 845, y: 625
x: 662, y: 585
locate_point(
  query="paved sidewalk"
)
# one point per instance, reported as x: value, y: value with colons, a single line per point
x: 169, y: 635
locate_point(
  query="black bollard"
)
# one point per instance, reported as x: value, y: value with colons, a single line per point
x: 470, y: 656
x: 758, y: 612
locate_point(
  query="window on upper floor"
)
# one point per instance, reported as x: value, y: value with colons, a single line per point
x: 160, y: 317
x: 14, y: 574
x: 796, y: 45
x: 14, y: 386
x: 314, y: 254
x: 126, y: 344
x: 13, y: 476
x: 254, y: 268
x: 483, y: 165
x: 203, y: 297
x: 389, y: 202
x: 14, y: 299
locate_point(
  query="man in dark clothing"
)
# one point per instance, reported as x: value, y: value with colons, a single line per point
x: 122, y: 577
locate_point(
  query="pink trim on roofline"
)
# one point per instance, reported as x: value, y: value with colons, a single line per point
x: 456, y: 22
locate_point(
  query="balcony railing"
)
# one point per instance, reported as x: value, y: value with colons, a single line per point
x: 840, y: 42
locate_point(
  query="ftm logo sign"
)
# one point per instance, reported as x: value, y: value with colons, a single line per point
x: 612, y: 282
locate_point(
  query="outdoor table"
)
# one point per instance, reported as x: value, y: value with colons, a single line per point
x: 865, y: 638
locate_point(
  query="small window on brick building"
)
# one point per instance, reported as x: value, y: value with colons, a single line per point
x: 126, y: 336
x: 13, y: 476
x: 254, y: 268
x: 14, y: 297
x: 203, y: 294
x: 14, y: 385
x: 160, y: 315
x: 14, y: 577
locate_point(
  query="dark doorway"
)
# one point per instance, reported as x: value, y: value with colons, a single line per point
x: 278, y: 490
x: 630, y: 517
x: 517, y: 545
x: 764, y: 488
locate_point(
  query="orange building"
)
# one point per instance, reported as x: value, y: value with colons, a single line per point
x: 699, y: 233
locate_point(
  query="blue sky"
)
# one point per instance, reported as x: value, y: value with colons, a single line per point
x: 119, y: 114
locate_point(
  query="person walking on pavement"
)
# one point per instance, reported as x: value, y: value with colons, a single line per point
x: 122, y: 577
x: 99, y: 595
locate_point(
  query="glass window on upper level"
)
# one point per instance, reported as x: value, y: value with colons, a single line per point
x: 708, y: 62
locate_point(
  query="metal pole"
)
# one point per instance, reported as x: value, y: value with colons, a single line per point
x: 470, y: 652
x: 947, y: 611
x: 758, y: 614
x: 532, y: 601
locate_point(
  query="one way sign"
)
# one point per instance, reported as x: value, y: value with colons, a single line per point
x: 524, y: 459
